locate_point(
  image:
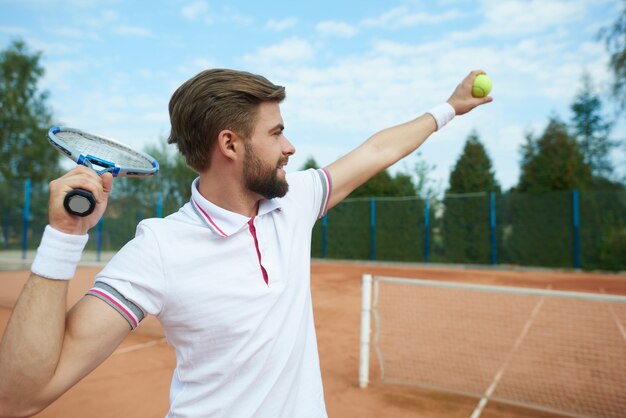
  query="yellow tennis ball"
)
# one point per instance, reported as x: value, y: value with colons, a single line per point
x: 481, y: 86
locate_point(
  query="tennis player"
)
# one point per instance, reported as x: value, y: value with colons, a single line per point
x: 228, y: 275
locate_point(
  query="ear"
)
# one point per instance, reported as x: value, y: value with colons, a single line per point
x: 229, y: 144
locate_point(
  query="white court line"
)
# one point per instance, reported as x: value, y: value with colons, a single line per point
x: 492, y: 387
x: 139, y: 346
x: 615, y: 318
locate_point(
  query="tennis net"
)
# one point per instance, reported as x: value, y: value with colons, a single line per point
x: 555, y: 351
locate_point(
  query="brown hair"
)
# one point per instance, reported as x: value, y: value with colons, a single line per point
x: 212, y: 101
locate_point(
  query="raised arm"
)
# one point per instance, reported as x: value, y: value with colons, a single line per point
x: 392, y: 144
x: 44, y: 350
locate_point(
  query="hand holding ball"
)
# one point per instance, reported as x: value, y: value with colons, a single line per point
x: 481, y: 86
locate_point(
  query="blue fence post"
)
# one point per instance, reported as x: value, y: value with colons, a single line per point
x: 426, y: 228
x: 373, y: 228
x: 99, y: 239
x: 5, y: 229
x: 159, y: 206
x: 576, y: 227
x: 324, y: 236
x: 25, y: 219
x: 492, y: 227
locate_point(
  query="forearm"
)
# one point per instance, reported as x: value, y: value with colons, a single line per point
x: 380, y: 151
x: 390, y: 145
x: 32, y: 342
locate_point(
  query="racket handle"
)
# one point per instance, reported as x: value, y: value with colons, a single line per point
x: 79, y: 202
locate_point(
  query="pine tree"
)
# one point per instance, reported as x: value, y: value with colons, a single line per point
x: 592, y: 131
x: 553, y: 161
x: 615, y: 39
x: 466, y: 227
x: 473, y: 171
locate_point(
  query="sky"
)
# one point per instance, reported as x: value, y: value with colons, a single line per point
x: 350, y: 68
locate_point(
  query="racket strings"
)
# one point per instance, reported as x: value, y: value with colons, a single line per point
x: 104, y: 149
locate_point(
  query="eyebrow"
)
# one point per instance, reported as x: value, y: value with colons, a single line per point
x: 279, y: 126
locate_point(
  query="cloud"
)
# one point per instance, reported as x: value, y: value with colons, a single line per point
x: 238, y: 19
x: 74, y: 33
x: 339, y: 29
x: 291, y: 50
x: 195, y: 66
x: 281, y: 24
x: 195, y: 10
x: 102, y: 19
x: 131, y: 31
x: 400, y: 17
x: 13, y: 30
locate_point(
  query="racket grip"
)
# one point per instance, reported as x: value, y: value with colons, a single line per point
x: 79, y: 202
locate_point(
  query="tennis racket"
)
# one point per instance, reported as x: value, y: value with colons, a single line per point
x: 103, y: 156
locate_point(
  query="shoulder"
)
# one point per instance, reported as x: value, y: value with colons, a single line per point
x: 177, y: 223
x: 309, y: 189
x: 311, y: 175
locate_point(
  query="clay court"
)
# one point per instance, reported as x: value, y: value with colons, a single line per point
x: 135, y: 380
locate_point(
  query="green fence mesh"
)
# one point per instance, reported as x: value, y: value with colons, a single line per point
x: 530, y: 229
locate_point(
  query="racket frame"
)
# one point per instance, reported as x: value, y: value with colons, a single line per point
x: 91, y: 161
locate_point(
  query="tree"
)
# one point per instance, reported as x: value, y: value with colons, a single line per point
x: 553, y: 161
x: 615, y: 40
x: 24, y: 118
x: 592, y: 131
x: 466, y: 227
x: 310, y: 163
x: 540, y: 222
x: 473, y: 171
x: 385, y: 185
x: 425, y: 186
x: 24, y: 152
x: 134, y: 199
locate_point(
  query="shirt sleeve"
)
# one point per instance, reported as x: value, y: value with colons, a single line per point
x: 311, y: 191
x: 133, y: 282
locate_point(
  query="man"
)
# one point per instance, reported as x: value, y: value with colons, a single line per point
x: 227, y: 276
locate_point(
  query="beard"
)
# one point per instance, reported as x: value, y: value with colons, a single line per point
x: 263, y: 178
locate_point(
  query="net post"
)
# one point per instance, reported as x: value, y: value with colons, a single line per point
x: 366, y: 307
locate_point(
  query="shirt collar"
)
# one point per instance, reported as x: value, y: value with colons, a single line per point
x: 221, y: 221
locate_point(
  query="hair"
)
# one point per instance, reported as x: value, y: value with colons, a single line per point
x: 212, y: 101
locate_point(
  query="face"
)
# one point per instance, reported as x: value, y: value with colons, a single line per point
x: 266, y: 153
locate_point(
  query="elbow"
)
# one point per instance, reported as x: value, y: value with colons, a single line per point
x: 13, y: 408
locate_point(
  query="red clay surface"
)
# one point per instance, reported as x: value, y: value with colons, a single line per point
x: 135, y: 380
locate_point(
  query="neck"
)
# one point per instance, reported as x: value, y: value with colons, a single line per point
x: 229, y: 192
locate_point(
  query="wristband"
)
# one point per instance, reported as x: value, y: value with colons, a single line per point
x: 58, y: 254
x: 443, y: 114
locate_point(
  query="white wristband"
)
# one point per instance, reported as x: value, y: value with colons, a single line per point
x: 58, y: 254
x: 443, y: 113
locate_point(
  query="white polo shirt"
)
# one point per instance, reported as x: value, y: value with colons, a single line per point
x: 233, y: 296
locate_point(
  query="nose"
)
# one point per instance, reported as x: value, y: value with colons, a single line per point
x: 288, y: 148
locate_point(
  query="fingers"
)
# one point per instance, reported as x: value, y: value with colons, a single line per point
x: 107, y: 184
x: 78, y: 178
x: 81, y: 177
x: 473, y: 74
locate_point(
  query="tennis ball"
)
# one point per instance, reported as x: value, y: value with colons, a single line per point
x: 481, y: 86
